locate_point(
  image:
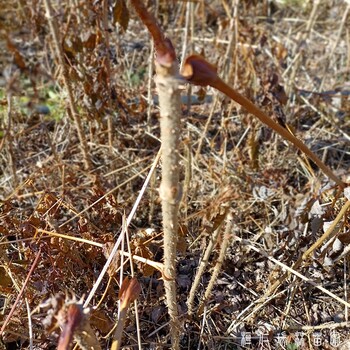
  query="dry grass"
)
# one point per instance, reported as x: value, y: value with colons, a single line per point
x: 292, y: 61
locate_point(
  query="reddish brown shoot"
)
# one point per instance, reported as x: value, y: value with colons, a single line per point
x: 165, y: 53
x: 74, y: 318
x: 129, y: 291
x: 199, y: 72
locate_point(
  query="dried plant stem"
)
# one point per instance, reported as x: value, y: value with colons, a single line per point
x: 9, y: 140
x: 206, y: 127
x: 335, y: 45
x: 329, y: 231
x: 117, y: 243
x: 108, y: 69
x: 291, y: 270
x: 60, y: 55
x: 21, y: 292
x: 119, y: 329
x: 149, y: 86
x: 30, y: 324
x: 170, y: 192
x: 298, y: 57
x: 202, y: 266
x: 217, y: 268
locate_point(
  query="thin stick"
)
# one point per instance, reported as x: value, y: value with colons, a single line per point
x: 12, y: 160
x: 294, y: 272
x: 329, y: 231
x: 21, y: 292
x: 226, y: 240
x: 117, y: 243
x: 60, y: 55
x: 203, y: 264
x: 30, y: 325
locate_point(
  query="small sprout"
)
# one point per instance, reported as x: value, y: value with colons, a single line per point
x: 129, y: 290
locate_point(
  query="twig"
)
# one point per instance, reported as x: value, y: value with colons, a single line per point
x: 329, y: 231
x: 108, y: 71
x: 117, y: 243
x: 21, y: 292
x: 30, y: 325
x: 203, y: 264
x: 199, y: 72
x: 225, y: 242
x: 60, y: 55
x: 9, y: 139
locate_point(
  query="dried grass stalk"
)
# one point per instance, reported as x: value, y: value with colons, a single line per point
x: 60, y: 55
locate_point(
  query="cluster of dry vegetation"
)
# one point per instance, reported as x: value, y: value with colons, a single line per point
x: 261, y: 233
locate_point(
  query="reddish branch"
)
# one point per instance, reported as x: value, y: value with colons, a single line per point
x: 199, y: 72
x: 21, y: 292
x: 165, y: 52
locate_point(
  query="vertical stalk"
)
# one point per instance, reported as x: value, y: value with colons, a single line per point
x: 60, y: 55
x: 108, y: 69
x: 167, y: 82
x: 170, y: 193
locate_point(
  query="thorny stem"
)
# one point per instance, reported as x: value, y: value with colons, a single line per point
x: 60, y: 55
x: 199, y: 72
x: 170, y: 115
x: 170, y: 193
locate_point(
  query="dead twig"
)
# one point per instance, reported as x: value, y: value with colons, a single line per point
x: 60, y: 55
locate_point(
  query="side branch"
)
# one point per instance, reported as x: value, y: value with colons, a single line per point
x: 199, y: 72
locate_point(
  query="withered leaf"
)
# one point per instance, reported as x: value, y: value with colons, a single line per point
x: 121, y: 14
x: 345, y: 237
x: 17, y: 57
x: 72, y: 46
x: 101, y: 321
x: 201, y: 93
x: 5, y: 280
x: 88, y: 40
